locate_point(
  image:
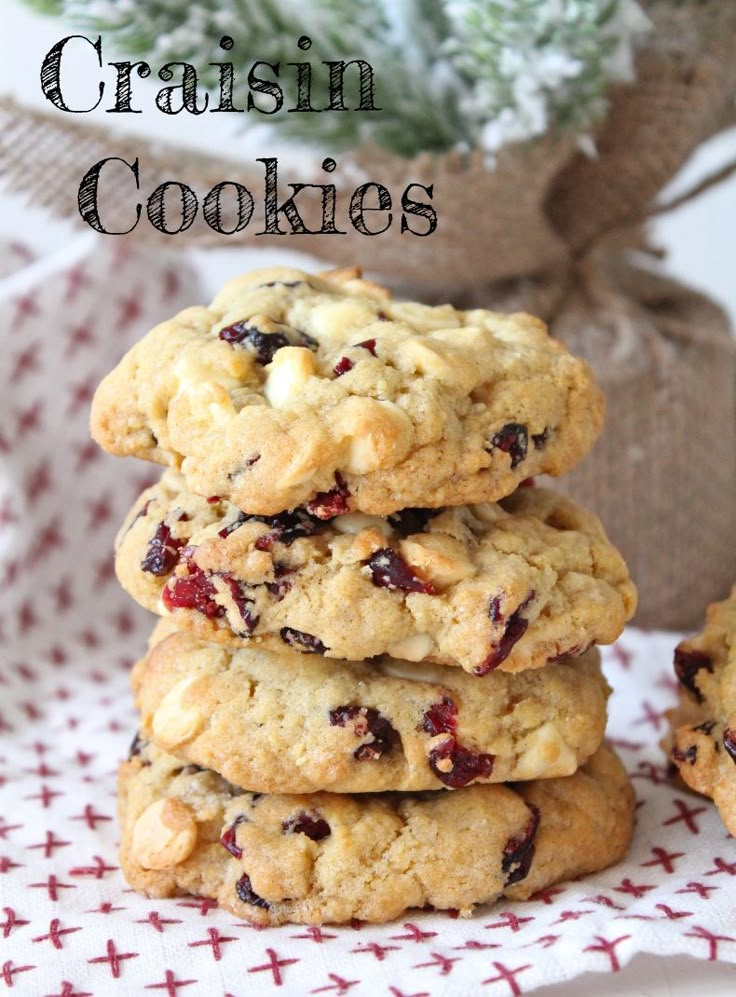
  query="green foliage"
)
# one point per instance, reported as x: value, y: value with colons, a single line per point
x: 449, y: 73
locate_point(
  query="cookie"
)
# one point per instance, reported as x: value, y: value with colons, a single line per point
x: 703, y: 743
x: 508, y: 585
x: 293, y: 389
x: 283, y: 722
x: 327, y: 858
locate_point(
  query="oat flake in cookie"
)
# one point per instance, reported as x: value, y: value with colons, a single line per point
x: 284, y: 722
x: 703, y: 741
x: 495, y: 586
x: 326, y: 858
x: 320, y: 391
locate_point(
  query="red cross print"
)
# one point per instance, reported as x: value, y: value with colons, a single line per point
x: 379, y: 951
x: 700, y: 888
x: 9, y: 971
x: 25, y: 362
x: 273, y: 966
x: 546, y: 941
x: 473, y: 945
x: 203, y: 904
x: 214, y: 939
x: 633, y: 889
x: 339, y: 985
x: 609, y: 947
x: 664, y: 858
x: 508, y: 976
x: 414, y: 934
x: 710, y: 938
x: 90, y: 818
x: 315, y: 934
x: 650, y: 716
x: 571, y: 915
x: 24, y: 306
x: 157, y: 922
x: 720, y: 865
x: 11, y: 921
x: 52, y: 885
x: 55, y: 932
x: 170, y: 984
x: 6, y: 864
x: 510, y: 921
x: 97, y: 870
x: 443, y: 963
x: 114, y: 958
x: 76, y: 278
x: 686, y: 815
x: 547, y: 896
x: 5, y: 829
x: 67, y: 990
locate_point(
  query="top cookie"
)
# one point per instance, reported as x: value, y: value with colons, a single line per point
x: 293, y: 389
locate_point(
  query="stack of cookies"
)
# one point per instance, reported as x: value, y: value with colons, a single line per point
x: 374, y: 685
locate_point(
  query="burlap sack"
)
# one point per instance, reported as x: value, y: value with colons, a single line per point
x: 548, y: 229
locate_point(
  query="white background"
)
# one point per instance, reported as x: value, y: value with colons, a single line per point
x: 701, y: 251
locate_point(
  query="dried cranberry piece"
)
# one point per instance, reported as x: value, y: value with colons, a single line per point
x: 282, y: 585
x: 494, y: 609
x: 243, y: 603
x: 139, y: 515
x: 307, y: 643
x: 440, y: 718
x: 213, y: 499
x: 706, y: 727
x: 515, y: 630
x: 512, y: 439
x: 687, y: 666
x: 412, y: 520
x: 518, y: 852
x: 263, y: 344
x: 304, y: 339
x: 729, y: 742
x: 326, y: 505
x: 540, y: 439
x: 231, y: 527
x: 248, y: 895
x: 163, y: 552
x: 389, y: 570
x: 366, y: 720
x: 136, y: 746
x: 228, y: 838
x: 368, y: 344
x: 690, y: 754
x: 285, y: 527
x: 466, y: 765
x: 343, y: 365
x: 195, y: 591
x: 314, y: 826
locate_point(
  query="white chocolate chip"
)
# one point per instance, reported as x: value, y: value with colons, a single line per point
x: 354, y: 522
x: 378, y: 433
x: 427, y: 360
x: 438, y: 558
x: 416, y: 647
x: 173, y: 722
x: 164, y: 835
x: 286, y: 375
x: 546, y: 754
